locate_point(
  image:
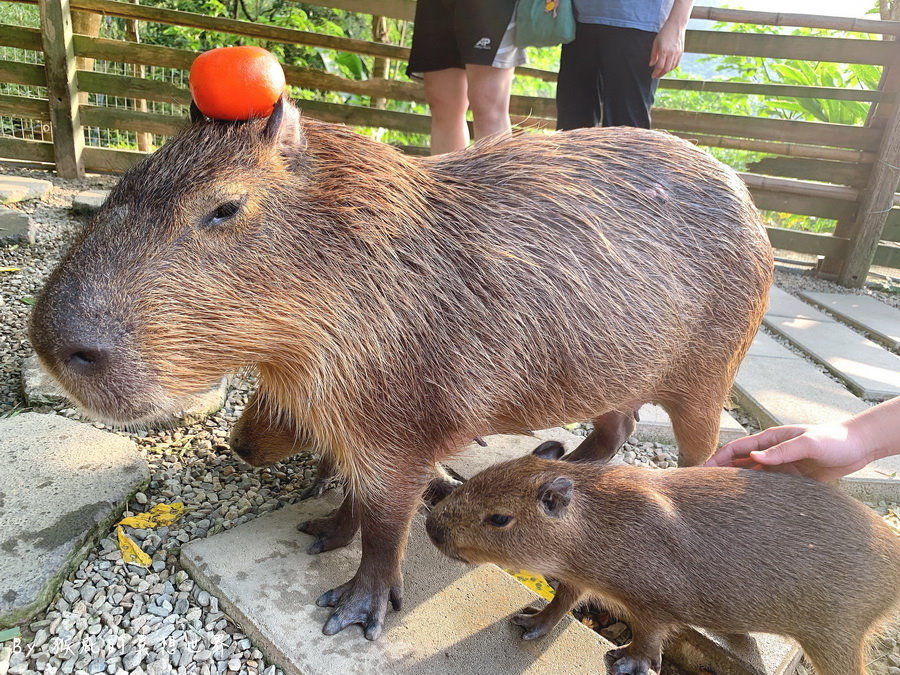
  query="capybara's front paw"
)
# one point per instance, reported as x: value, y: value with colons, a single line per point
x: 362, y: 603
x: 535, y: 622
x: 621, y: 662
x: 331, y: 532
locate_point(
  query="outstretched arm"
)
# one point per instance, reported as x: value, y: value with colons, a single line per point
x: 823, y: 451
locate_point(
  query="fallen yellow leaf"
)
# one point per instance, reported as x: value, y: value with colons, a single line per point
x: 535, y: 582
x: 131, y: 552
x: 158, y: 516
x: 9, y: 269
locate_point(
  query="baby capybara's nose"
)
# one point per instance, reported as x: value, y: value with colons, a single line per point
x: 437, y: 533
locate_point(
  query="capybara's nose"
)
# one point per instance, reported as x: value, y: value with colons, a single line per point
x: 436, y: 532
x: 85, y: 360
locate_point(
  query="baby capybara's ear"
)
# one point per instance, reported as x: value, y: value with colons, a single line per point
x: 283, y: 125
x: 549, y: 450
x: 554, y: 496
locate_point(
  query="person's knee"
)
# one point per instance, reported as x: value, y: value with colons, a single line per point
x: 488, y: 106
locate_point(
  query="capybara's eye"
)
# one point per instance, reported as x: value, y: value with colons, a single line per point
x: 224, y: 212
x: 498, y: 520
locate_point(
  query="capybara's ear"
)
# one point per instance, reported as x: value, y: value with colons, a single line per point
x: 196, y: 115
x: 283, y: 125
x: 549, y: 450
x: 554, y: 496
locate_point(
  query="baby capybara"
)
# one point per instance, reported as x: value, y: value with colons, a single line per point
x: 730, y: 550
x: 397, y: 307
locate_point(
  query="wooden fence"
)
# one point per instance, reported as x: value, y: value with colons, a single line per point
x: 836, y: 171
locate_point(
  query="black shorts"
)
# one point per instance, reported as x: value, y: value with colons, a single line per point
x: 453, y: 33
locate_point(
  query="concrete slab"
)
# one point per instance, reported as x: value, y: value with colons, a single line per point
x: 454, y: 618
x: 62, y: 485
x: 877, y: 482
x: 16, y: 226
x: 869, y: 369
x: 876, y: 319
x: 37, y: 385
x: 783, y: 304
x: 701, y: 651
x: 19, y: 188
x: 40, y: 388
x: 89, y: 201
x: 781, y: 387
x: 656, y: 427
x: 503, y: 447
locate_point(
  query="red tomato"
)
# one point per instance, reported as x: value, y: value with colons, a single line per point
x: 236, y: 83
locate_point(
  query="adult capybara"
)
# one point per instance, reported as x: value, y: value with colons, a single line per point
x: 730, y: 550
x: 397, y: 307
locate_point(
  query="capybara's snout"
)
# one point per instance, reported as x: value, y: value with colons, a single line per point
x: 437, y: 532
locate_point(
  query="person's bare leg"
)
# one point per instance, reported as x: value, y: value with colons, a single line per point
x: 489, y: 99
x: 446, y: 93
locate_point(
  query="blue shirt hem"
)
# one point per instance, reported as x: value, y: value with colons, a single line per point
x: 620, y: 23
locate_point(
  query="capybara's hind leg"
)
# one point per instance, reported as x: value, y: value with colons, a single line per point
x: 832, y: 654
x: 611, y: 430
x: 695, y: 421
x: 334, y: 530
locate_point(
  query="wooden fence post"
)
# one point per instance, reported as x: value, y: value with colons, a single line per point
x: 379, y: 65
x: 62, y: 87
x: 875, y: 203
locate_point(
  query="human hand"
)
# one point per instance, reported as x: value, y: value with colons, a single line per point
x: 668, y: 46
x: 823, y: 452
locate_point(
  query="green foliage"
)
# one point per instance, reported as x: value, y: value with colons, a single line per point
x: 801, y: 73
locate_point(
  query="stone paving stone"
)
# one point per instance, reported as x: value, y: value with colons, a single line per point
x: 655, y: 426
x: 18, y: 189
x: 878, y: 320
x: 700, y: 651
x: 877, y: 482
x: 776, y: 386
x: 869, y: 369
x: 503, y: 447
x: 454, y: 618
x: 16, y: 226
x: 89, y: 201
x: 783, y: 304
x: 62, y: 484
x: 37, y: 385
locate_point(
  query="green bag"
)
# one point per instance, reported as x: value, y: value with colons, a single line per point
x: 538, y: 26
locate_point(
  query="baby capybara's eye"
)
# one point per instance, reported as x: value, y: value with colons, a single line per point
x: 498, y: 520
x: 224, y: 211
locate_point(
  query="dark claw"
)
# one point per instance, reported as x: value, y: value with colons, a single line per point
x: 366, y: 609
x: 481, y: 441
x: 620, y: 662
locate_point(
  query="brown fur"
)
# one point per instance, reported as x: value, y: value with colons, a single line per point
x: 730, y: 550
x: 397, y: 307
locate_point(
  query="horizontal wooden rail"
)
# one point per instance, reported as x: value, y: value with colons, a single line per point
x: 841, y: 23
x: 804, y: 205
x: 28, y: 151
x: 788, y: 131
x: 406, y: 9
x: 779, y: 148
x: 811, y: 243
x: 779, y: 90
x: 823, y: 171
x: 799, y: 187
x: 20, y: 37
x: 16, y: 72
x: 29, y: 108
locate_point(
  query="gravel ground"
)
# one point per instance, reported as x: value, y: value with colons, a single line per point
x: 114, y: 618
